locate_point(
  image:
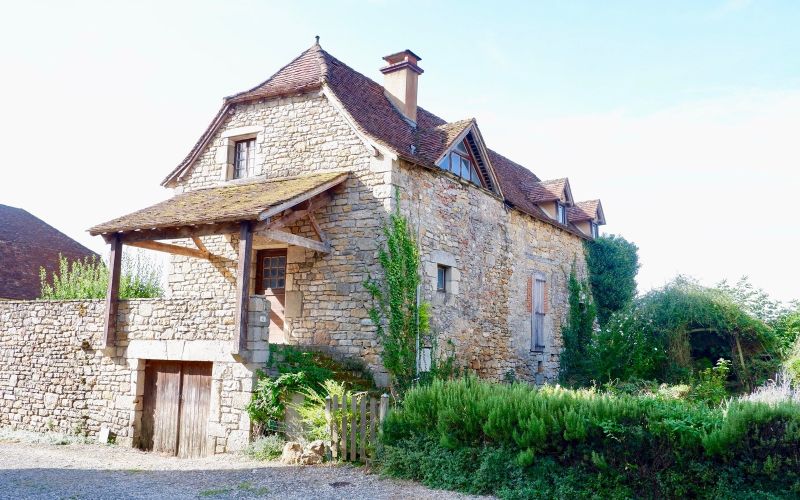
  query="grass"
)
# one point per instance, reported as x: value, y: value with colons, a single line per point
x: 244, y: 487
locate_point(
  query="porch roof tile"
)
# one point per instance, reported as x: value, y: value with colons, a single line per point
x: 231, y: 202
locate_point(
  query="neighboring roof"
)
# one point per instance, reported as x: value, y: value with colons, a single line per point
x: 586, y: 210
x: 26, y: 244
x: 232, y: 202
x: 375, y: 116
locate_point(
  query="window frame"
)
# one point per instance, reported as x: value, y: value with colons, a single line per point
x: 446, y: 163
x: 278, y: 253
x: 250, y: 160
x: 442, y: 276
x: 561, y: 212
x: 594, y: 229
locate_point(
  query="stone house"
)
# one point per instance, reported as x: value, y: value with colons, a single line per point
x: 274, y: 225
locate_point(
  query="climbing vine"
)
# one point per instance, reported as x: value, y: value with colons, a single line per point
x: 577, y: 333
x: 398, y: 319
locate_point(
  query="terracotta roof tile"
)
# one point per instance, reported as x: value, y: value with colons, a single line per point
x: 26, y: 244
x: 232, y: 202
x: 552, y: 190
x: 583, y: 211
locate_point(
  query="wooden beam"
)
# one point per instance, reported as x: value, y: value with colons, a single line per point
x: 175, y: 249
x: 243, y: 286
x: 199, y: 244
x: 293, y: 239
x: 175, y: 233
x: 320, y: 233
x: 299, y: 199
x: 112, y: 294
x: 284, y: 221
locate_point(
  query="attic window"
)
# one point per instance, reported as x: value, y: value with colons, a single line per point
x: 595, y: 230
x: 462, y: 163
x: 244, y: 158
x: 561, y: 213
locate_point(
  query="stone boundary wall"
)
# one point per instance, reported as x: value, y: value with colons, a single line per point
x: 55, y: 377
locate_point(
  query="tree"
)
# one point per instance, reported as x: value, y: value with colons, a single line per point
x: 613, y: 263
x: 577, y: 334
x: 88, y: 279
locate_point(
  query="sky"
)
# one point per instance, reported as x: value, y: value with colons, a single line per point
x: 683, y: 117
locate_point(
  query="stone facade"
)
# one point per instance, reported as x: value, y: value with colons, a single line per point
x: 55, y: 377
x: 492, y: 251
x: 491, y: 256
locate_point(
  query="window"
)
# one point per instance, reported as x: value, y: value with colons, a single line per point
x: 272, y: 267
x: 595, y: 230
x: 244, y: 158
x: 461, y: 162
x: 441, y: 278
x: 537, y: 318
x: 561, y: 213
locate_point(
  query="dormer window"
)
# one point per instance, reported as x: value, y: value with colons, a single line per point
x: 561, y: 212
x: 244, y: 159
x: 595, y: 230
x: 461, y: 162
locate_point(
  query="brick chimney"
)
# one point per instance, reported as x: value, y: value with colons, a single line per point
x: 400, y: 82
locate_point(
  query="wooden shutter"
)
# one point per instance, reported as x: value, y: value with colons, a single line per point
x: 539, y: 295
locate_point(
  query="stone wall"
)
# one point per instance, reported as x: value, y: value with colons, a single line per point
x: 55, y: 377
x: 492, y: 253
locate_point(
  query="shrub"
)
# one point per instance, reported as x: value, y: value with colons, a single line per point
x: 480, y: 437
x: 575, y: 368
x: 613, y: 263
x: 314, y: 421
x: 710, y: 385
x: 266, y: 447
x: 88, y: 279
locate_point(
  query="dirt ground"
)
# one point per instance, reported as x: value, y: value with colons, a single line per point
x: 41, y: 470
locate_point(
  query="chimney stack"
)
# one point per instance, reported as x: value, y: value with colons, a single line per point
x: 400, y: 82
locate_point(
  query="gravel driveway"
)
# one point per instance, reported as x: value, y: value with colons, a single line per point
x: 96, y: 471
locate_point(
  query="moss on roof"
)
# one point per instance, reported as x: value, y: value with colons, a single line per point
x: 232, y: 202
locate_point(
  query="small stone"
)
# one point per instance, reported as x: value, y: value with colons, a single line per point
x: 292, y: 452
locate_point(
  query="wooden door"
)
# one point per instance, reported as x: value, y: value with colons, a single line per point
x: 162, y: 380
x: 176, y: 407
x: 271, y: 282
x: 195, y: 399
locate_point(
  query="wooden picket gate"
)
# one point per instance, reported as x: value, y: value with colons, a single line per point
x: 354, y: 426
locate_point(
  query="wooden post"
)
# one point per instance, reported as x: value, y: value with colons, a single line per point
x: 344, y: 426
x: 384, y: 407
x: 353, y: 427
x: 243, y: 287
x: 373, y: 420
x: 335, y: 428
x: 363, y: 427
x: 112, y: 295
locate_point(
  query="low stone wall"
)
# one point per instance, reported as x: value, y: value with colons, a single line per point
x: 55, y: 377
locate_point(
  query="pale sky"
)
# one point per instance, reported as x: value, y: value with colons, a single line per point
x: 683, y: 117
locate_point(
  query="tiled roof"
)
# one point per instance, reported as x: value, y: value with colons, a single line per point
x: 375, y: 116
x: 552, y: 190
x: 583, y: 210
x: 232, y: 202
x: 26, y: 244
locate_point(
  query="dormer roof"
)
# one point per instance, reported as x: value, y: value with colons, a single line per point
x: 591, y: 210
x: 551, y: 190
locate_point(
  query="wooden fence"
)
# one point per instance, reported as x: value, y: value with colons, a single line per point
x: 354, y: 425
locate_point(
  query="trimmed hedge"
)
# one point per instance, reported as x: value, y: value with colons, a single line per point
x: 522, y: 442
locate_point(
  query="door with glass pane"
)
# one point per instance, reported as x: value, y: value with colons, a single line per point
x: 271, y: 282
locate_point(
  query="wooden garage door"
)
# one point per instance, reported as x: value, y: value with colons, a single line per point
x: 176, y: 407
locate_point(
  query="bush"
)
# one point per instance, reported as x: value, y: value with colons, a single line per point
x: 613, y: 263
x: 511, y: 440
x: 266, y: 447
x: 88, y: 279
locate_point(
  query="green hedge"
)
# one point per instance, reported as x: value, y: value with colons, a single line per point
x: 519, y: 442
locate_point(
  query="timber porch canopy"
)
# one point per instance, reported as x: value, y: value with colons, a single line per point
x: 258, y: 207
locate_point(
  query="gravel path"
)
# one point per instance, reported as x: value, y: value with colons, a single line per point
x: 95, y: 471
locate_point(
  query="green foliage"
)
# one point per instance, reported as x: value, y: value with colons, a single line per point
x: 519, y: 441
x: 312, y: 410
x: 613, y: 263
x: 311, y: 373
x: 88, y: 279
x: 266, y: 447
x: 625, y: 349
x: 398, y: 320
x: 710, y: 386
x: 577, y: 334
